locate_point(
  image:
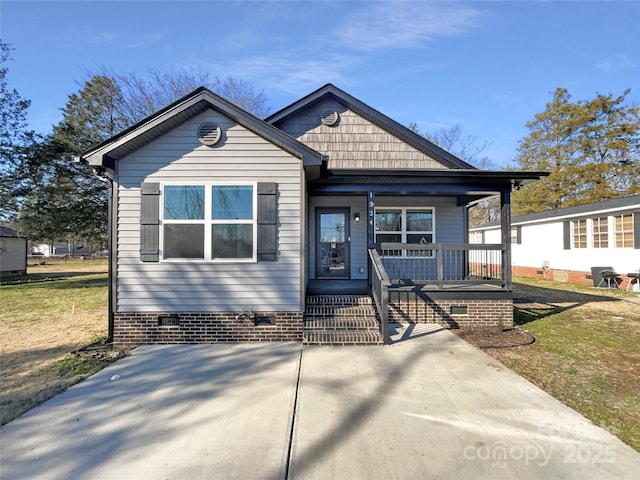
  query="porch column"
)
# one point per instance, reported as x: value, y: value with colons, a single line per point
x: 371, y: 212
x: 505, y: 224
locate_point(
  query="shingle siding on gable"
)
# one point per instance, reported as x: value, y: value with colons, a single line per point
x: 179, y: 157
x: 354, y: 142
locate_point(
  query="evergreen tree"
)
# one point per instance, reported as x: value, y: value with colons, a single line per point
x: 68, y: 201
x: 591, y: 149
x: 14, y: 139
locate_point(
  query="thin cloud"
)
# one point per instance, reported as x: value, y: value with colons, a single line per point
x: 290, y: 73
x: 119, y: 40
x: 615, y: 62
x: 405, y: 24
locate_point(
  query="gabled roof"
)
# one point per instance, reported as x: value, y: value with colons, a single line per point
x: 606, y: 206
x: 201, y: 99
x: 332, y: 92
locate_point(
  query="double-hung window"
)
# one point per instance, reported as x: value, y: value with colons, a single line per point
x: 600, y: 227
x: 579, y: 234
x: 623, y: 230
x: 209, y: 222
x: 404, y: 225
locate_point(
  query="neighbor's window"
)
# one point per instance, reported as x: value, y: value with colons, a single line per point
x: 209, y: 222
x: 404, y: 225
x: 623, y: 230
x: 579, y: 234
x: 600, y: 229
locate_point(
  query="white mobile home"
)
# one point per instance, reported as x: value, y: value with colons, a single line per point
x: 572, y: 244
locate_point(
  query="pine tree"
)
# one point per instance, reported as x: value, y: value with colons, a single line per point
x: 591, y: 149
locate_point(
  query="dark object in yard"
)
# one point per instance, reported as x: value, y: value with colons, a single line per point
x: 596, y: 274
x: 609, y: 278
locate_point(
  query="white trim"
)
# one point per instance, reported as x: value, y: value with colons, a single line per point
x: 207, y: 221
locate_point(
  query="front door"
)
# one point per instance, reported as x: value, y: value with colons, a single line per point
x: 332, y: 240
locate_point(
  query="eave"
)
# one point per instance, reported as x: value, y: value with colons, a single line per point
x: 107, y: 153
x: 374, y: 116
x: 467, y: 185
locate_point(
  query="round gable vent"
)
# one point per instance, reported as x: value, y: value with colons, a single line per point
x: 329, y: 117
x: 209, y: 134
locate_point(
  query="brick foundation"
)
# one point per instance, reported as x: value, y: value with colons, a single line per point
x: 133, y: 329
x: 557, y: 275
x: 451, y: 313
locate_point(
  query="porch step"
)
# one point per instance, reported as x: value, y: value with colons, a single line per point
x: 340, y: 320
x: 342, y: 338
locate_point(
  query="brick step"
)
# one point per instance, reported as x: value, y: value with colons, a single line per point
x: 341, y: 337
x: 365, y: 322
x: 339, y: 310
x: 338, y: 300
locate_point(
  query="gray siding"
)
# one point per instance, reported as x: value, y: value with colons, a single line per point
x: 200, y: 286
x: 449, y: 224
x: 354, y: 142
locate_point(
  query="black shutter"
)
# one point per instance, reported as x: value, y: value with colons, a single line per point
x: 518, y: 235
x: 566, y: 228
x: 267, y: 221
x: 149, y: 222
x: 636, y: 231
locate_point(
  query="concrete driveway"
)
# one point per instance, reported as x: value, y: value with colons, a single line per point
x: 430, y: 406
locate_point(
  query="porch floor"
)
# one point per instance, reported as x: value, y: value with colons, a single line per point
x: 429, y: 286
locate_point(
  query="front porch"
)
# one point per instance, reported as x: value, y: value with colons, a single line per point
x: 452, y: 285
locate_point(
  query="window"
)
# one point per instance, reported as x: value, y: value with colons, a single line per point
x: 600, y: 227
x: 623, y: 230
x: 579, y: 234
x: 209, y: 222
x: 516, y: 235
x: 404, y: 225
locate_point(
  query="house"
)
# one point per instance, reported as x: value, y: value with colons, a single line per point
x: 226, y: 227
x: 13, y: 252
x: 574, y: 244
x: 60, y: 249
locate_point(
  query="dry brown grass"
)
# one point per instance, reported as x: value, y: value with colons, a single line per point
x: 41, y: 322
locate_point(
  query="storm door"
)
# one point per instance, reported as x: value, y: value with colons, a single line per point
x: 332, y: 243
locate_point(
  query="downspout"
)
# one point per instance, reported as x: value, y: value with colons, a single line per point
x: 103, y: 177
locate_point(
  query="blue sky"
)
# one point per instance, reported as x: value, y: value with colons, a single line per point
x: 488, y: 66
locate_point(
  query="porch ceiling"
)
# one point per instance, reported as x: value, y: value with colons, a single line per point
x: 463, y: 183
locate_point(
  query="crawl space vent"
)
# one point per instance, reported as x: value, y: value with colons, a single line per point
x: 209, y: 134
x: 329, y: 117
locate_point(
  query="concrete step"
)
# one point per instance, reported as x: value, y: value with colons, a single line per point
x: 341, y: 337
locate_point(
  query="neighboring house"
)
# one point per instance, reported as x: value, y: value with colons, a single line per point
x: 13, y: 252
x: 60, y: 249
x: 226, y: 227
x: 574, y: 244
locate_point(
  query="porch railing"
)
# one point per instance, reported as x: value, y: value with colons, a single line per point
x: 380, y: 284
x: 444, y: 264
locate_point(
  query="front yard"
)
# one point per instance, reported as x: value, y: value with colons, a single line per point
x: 586, y: 354
x: 587, y: 351
x: 61, y: 309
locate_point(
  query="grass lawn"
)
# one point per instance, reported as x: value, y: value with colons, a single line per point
x: 41, y: 322
x: 587, y: 352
